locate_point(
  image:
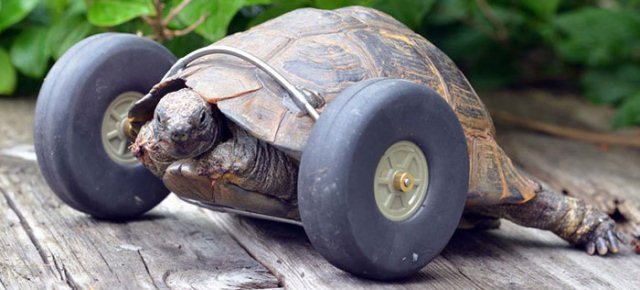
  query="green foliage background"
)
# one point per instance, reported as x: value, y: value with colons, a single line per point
x: 592, y: 45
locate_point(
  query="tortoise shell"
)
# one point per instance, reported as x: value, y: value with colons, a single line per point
x: 326, y: 52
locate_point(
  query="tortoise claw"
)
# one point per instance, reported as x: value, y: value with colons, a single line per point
x: 622, y: 237
x: 614, y: 246
x: 604, y: 239
x: 591, y: 248
x: 601, y: 246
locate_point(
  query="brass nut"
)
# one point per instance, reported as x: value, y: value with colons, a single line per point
x: 403, y: 181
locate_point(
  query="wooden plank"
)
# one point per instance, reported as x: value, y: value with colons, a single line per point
x: 606, y: 176
x: 608, y: 179
x: 573, y: 265
x: 180, y: 246
x: 489, y: 255
x: 21, y: 266
x: 174, y: 246
x: 16, y: 119
x: 549, y: 107
x: 511, y: 257
x: 285, y: 250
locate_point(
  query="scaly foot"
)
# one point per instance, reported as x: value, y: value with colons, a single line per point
x: 604, y: 238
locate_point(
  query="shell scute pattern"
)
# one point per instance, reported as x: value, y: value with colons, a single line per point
x: 342, y: 64
x: 303, y: 23
x: 327, y: 51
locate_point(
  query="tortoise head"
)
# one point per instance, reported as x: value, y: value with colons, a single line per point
x: 185, y: 125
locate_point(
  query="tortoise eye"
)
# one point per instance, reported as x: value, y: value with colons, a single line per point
x: 158, y: 118
x: 203, y: 117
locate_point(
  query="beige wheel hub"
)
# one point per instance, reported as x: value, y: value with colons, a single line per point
x: 401, y: 181
x: 115, y: 124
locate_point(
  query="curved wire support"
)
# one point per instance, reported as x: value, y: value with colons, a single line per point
x: 220, y: 208
x: 298, y: 96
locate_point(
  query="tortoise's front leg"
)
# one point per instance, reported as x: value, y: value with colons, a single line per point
x: 577, y: 222
x: 241, y: 173
x: 252, y: 165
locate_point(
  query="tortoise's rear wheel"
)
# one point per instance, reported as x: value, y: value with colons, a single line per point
x: 81, y: 111
x: 383, y: 179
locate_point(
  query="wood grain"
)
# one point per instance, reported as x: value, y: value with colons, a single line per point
x: 604, y: 175
x: 286, y: 251
x: 173, y: 246
x: 44, y: 244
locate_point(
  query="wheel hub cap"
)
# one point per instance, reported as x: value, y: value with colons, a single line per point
x: 401, y: 181
x: 114, y: 125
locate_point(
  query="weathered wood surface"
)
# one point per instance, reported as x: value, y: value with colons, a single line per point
x: 607, y: 176
x: 46, y: 245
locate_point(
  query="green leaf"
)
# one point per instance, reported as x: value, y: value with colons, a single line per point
x: 611, y: 86
x: 7, y: 74
x: 597, y: 36
x: 30, y: 53
x: 629, y: 113
x: 66, y: 32
x: 56, y: 8
x: 276, y: 9
x: 114, y: 12
x: 256, y: 2
x: 218, y: 15
x: 76, y: 6
x: 511, y: 18
x: 409, y: 12
x: 541, y: 8
x: 450, y: 11
x: 181, y: 46
x: 15, y: 10
x: 333, y: 4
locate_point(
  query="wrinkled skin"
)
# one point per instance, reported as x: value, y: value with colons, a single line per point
x: 202, y: 156
x: 572, y: 219
x: 185, y: 125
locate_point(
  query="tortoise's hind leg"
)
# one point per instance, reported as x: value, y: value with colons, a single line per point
x: 572, y: 219
x: 499, y: 190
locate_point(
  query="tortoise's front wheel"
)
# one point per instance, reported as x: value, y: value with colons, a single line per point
x: 81, y: 114
x: 383, y: 179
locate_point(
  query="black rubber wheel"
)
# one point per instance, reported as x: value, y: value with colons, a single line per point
x: 338, y: 167
x: 69, y: 114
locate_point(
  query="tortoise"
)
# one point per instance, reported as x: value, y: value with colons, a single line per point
x: 343, y: 121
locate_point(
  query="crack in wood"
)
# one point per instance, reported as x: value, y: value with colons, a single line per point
x: 470, y: 279
x: 146, y: 268
x: 69, y: 279
x: 272, y: 270
x: 26, y: 227
x: 512, y: 257
x: 56, y: 266
x: 50, y: 261
x: 106, y: 263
